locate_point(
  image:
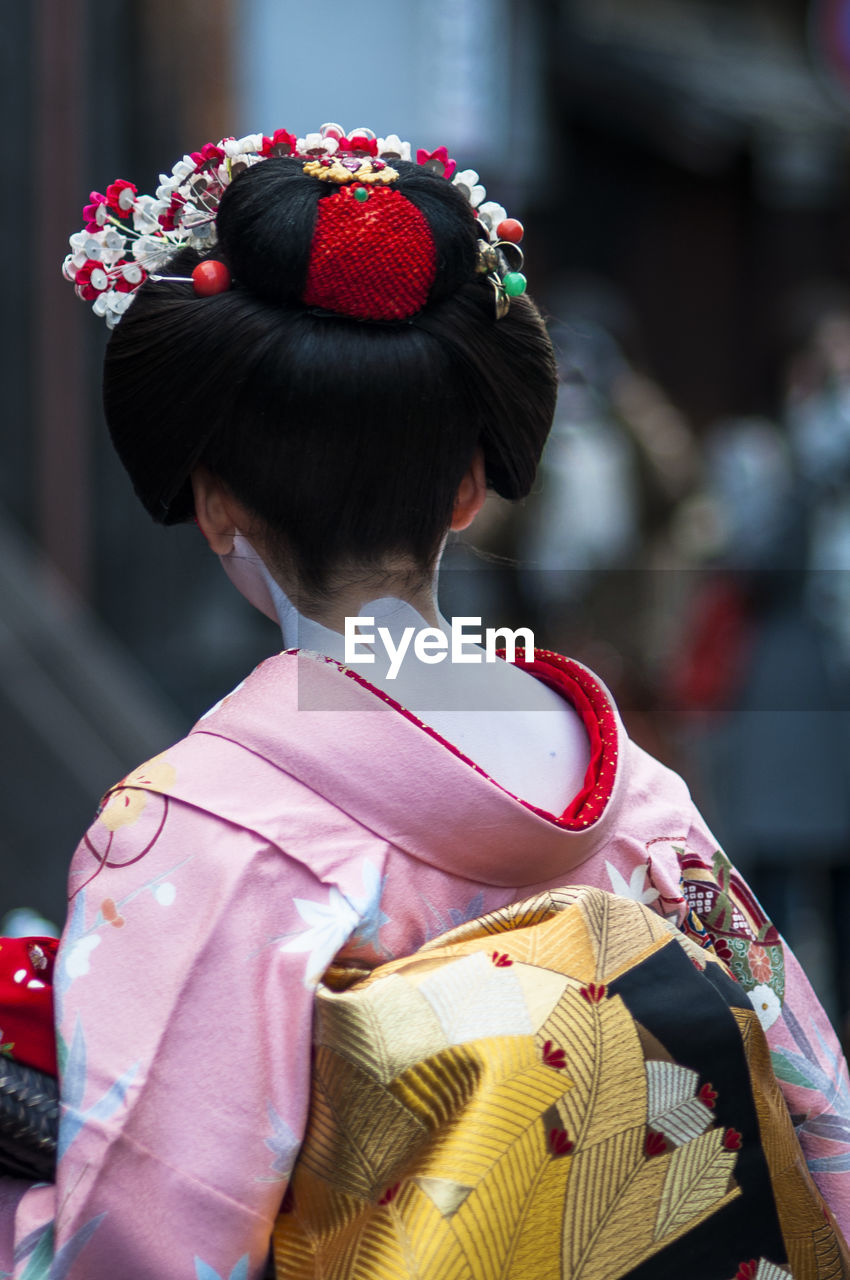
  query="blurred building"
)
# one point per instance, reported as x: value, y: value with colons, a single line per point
x: 91, y: 598
x: 700, y: 150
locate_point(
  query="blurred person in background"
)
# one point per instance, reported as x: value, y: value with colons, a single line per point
x: 762, y: 674
x: 596, y: 546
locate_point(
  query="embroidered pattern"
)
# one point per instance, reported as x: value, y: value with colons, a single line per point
x: 469, y: 1115
x: 723, y: 908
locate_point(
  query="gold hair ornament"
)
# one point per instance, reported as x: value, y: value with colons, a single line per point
x: 368, y: 171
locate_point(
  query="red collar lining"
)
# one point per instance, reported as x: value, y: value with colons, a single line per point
x: 581, y: 688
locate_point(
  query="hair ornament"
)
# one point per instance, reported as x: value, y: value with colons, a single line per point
x: 372, y: 255
x: 502, y: 263
x: 379, y: 264
x: 437, y: 162
x: 209, y: 278
x: 351, y: 169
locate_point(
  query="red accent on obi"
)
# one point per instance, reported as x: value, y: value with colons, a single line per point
x: 373, y: 258
x: 26, y: 1001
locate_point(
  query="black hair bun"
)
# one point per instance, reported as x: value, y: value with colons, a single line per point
x: 265, y: 225
x: 267, y: 219
x: 345, y: 441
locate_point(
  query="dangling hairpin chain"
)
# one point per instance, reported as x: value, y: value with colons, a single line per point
x: 502, y: 262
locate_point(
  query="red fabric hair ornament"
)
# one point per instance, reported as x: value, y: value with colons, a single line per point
x: 372, y: 256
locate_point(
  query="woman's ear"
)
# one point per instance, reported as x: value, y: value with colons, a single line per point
x: 471, y: 493
x: 214, y: 511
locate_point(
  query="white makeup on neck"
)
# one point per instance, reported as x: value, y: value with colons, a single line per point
x: 543, y: 761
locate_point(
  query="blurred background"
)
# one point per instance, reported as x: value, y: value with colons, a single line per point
x: 682, y: 170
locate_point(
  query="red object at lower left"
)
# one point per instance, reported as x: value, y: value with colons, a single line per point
x: 26, y: 1001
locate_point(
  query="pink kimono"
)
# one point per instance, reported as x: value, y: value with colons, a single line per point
x: 306, y: 817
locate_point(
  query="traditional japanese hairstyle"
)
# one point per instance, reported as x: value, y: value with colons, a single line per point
x: 327, y: 326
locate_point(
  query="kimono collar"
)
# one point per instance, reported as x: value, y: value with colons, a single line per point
x: 319, y: 722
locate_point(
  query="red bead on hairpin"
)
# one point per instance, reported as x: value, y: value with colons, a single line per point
x: 209, y: 278
x: 510, y: 229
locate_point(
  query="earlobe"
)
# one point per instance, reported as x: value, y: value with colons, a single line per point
x: 471, y: 493
x: 212, y: 511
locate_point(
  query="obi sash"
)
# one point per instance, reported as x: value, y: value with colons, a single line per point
x: 567, y: 1088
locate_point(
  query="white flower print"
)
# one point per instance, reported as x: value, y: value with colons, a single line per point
x: 330, y: 924
x: 637, y: 888
x: 766, y: 1003
x: 77, y: 959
